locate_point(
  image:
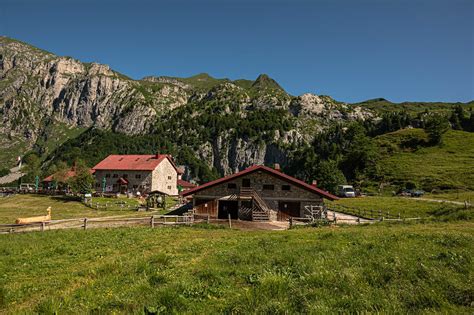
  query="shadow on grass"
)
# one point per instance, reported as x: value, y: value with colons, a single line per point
x: 452, y: 214
x: 182, y: 210
x: 66, y: 199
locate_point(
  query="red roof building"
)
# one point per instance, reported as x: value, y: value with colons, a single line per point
x: 51, y: 178
x: 69, y: 174
x: 137, y: 173
x: 133, y: 162
x: 258, y: 193
x: 185, y: 185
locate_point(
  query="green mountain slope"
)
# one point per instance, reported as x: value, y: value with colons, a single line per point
x: 406, y: 159
x: 63, y: 109
x: 381, y: 105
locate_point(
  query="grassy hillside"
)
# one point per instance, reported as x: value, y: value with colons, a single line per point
x: 379, y: 268
x: 382, y: 105
x: 406, y: 158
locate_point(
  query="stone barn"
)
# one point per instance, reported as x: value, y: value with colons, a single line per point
x: 258, y: 193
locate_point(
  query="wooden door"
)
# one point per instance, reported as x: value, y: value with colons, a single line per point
x: 288, y: 209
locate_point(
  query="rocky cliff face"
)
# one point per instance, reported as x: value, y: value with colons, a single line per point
x: 39, y: 89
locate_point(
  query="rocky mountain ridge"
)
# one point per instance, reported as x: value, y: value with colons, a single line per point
x: 40, y: 91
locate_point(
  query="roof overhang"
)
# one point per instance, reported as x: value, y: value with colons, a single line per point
x: 268, y: 170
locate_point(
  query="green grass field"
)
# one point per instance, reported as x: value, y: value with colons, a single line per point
x: 406, y: 207
x: 388, y: 268
x: 449, y: 166
x: 62, y: 207
x: 459, y: 196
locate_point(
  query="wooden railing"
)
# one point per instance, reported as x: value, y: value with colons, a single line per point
x: 84, y: 223
x: 259, y: 204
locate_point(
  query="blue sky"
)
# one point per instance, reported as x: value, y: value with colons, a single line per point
x: 352, y: 50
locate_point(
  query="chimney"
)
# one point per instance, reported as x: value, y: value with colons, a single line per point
x: 314, y: 183
x: 276, y: 166
x: 157, y: 155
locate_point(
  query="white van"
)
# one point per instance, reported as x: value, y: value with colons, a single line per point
x: 346, y: 191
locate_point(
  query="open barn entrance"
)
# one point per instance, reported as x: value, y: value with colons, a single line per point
x: 287, y: 209
x: 226, y: 207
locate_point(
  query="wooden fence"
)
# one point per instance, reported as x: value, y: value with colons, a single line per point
x: 293, y: 221
x: 366, y: 214
x: 86, y: 223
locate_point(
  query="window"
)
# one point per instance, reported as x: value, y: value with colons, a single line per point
x: 138, y: 176
x: 232, y: 186
x: 246, y: 182
x: 268, y: 187
x: 169, y: 187
x: 107, y: 175
x: 285, y: 187
x: 115, y: 176
x: 124, y: 175
x: 169, y: 177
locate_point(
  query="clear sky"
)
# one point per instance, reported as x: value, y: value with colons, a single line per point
x: 417, y: 50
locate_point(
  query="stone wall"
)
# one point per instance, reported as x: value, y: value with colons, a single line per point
x: 257, y: 181
x: 165, y: 178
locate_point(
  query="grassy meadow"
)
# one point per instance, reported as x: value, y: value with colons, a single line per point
x: 64, y: 207
x: 390, y: 268
x: 405, y: 158
x: 458, y: 195
x: 405, y: 206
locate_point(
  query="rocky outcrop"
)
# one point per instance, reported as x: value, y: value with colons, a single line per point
x: 39, y: 88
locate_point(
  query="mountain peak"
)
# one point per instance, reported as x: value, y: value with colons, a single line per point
x: 265, y: 82
x: 201, y: 77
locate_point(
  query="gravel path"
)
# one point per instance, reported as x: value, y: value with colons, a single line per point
x: 14, y: 175
x: 440, y: 201
x: 346, y: 218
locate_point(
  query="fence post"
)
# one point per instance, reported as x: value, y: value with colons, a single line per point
x: 399, y: 216
x: 358, y: 220
x: 335, y: 218
x: 291, y: 222
x: 380, y: 214
x: 230, y: 221
x: 208, y: 218
x: 85, y: 223
x: 388, y: 214
x: 152, y: 221
x: 42, y: 226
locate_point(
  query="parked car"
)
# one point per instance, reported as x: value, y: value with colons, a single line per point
x: 405, y: 193
x: 346, y: 191
x: 417, y: 193
x: 411, y: 193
